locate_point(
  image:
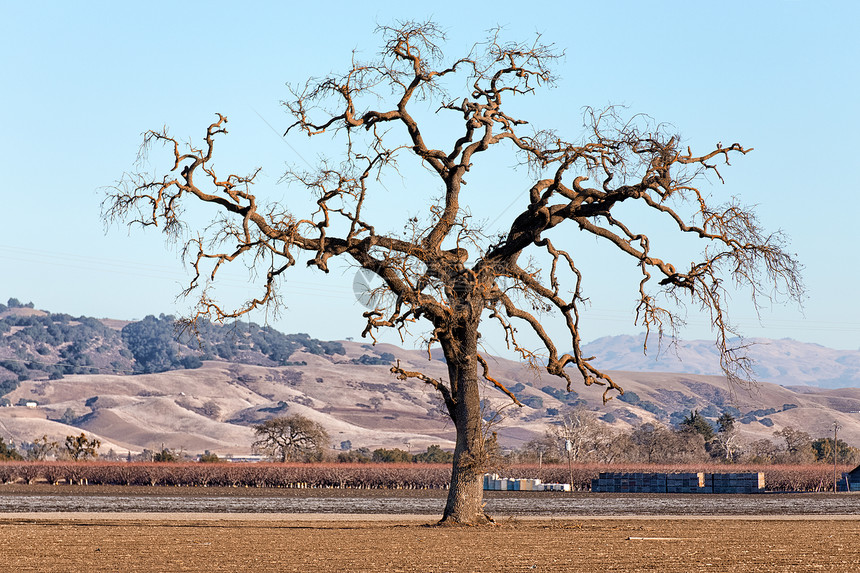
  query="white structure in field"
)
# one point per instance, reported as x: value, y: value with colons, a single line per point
x: 492, y: 482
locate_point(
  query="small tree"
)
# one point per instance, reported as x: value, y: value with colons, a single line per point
x: 41, y: 448
x: 620, y: 448
x: 761, y: 451
x: 798, y: 445
x: 362, y: 455
x: 291, y: 438
x: 208, y: 457
x: 652, y: 441
x: 165, y: 455
x: 585, y: 433
x: 433, y: 455
x: 541, y: 449
x: 656, y: 444
x: 823, y: 448
x: 68, y: 416
x: 723, y: 443
x: 726, y: 422
x: 698, y: 424
x: 211, y: 409
x: 392, y: 456
x: 82, y: 448
x: 8, y: 452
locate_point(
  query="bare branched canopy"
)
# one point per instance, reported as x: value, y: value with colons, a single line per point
x: 445, y: 271
x: 291, y: 438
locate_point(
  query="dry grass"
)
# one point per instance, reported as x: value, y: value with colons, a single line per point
x: 586, y: 546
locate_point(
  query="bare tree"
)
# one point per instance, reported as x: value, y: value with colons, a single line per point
x: 651, y: 441
x: 541, y: 450
x: 41, y: 448
x: 442, y: 269
x: 798, y: 445
x: 761, y: 451
x: 657, y: 444
x: 725, y: 442
x: 620, y: 448
x: 583, y: 431
x: 291, y: 438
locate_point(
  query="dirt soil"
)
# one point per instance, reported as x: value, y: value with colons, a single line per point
x: 134, y: 543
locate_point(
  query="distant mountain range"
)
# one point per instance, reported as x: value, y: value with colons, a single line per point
x: 786, y: 362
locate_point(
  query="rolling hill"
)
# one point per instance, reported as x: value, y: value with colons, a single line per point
x: 94, y: 381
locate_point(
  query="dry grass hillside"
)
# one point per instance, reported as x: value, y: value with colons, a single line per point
x: 135, y: 387
x: 213, y: 407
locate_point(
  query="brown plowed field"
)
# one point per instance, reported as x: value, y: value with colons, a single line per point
x: 258, y: 544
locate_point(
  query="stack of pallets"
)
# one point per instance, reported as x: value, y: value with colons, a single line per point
x: 698, y: 482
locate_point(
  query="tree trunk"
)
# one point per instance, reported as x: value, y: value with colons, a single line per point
x: 465, y: 503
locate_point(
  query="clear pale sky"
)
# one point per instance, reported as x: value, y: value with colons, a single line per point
x: 82, y: 81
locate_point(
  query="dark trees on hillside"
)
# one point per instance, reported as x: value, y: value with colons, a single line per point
x: 52, y: 345
x: 440, y: 266
x: 698, y: 424
x: 152, y: 343
x: 151, y: 347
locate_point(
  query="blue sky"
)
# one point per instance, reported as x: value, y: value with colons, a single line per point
x: 81, y: 82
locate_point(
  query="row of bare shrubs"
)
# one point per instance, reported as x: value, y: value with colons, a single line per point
x: 375, y: 476
x: 812, y: 477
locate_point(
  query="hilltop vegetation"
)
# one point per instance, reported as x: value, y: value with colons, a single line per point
x: 39, y: 345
